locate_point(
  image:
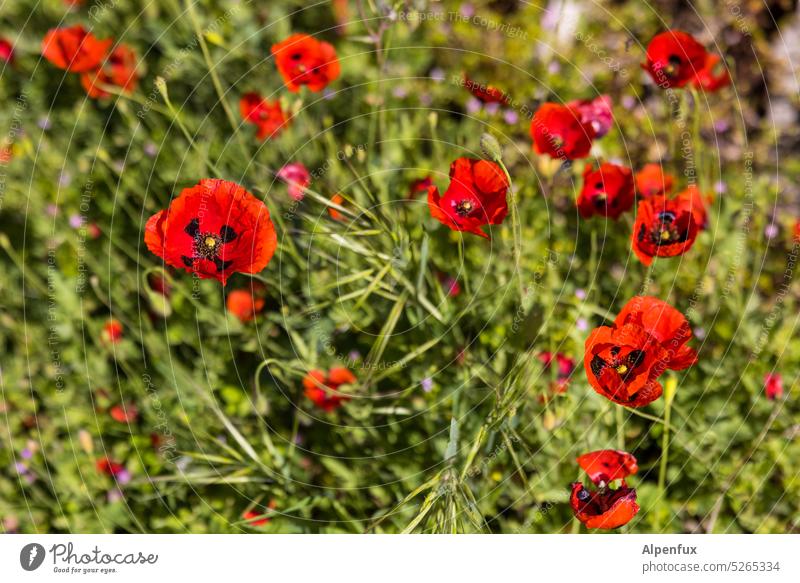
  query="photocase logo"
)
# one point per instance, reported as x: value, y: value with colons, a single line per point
x: 31, y: 556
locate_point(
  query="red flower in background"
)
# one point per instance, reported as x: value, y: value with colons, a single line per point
x: 624, y: 361
x: 560, y: 132
x: 596, y: 112
x: 74, y: 49
x: 303, y: 60
x: 252, y: 516
x: 607, y: 191
x: 335, y: 214
x: 486, y: 93
x: 213, y: 229
x: 667, y: 227
x: 124, y: 414
x: 419, y: 185
x: 608, y: 465
x: 674, y: 58
x: 475, y: 197
x: 323, y: 389
x: 245, y: 304
x: 109, y: 467
x: 264, y: 114
x: 112, y: 331
x: 773, y: 386
x: 6, y: 51
x: 605, y: 507
x: 118, y: 70
x: 564, y: 367
x: 652, y: 180
x: 712, y: 76
x: 297, y: 178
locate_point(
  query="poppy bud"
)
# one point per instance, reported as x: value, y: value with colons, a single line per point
x: 491, y: 147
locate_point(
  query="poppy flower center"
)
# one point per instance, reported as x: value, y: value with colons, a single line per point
x: 557, y: 141
x: 623, y: 365
x: 208, y: 245
x: 666, y: 230
x: 673, y: 66
x: 464, y: 207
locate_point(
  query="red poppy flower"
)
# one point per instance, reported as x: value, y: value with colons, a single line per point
x: 112, y: 331
x: 334, y: 214
x: 449, y: 284
x: 674, y: 58
x: 127, y: 414
x: 667, y: 227
x: 486, y: 93
x: 652, y: 180
x: 624, y: 361
x: 565, y: 365
x: 711, y: 77
x: 596, y: 112
x: 118, y: 70
x: 213, y: 229
x: 245, y: 304
x: 303, y: 60
x: 773, y: 386
x: 323, y: 389
x: 476, y: 196
x: 107, y: 466
x: 6, y: 154
x: 264, y: 114
x: 796, y: 233
x: 560, y: 132
x: 608, y: 465
x: 604, y: 508
x: 6, y: 51
x: 419, y: 185
x: 252, y: 515
x: 158, y: 283
x: 74, y: 49
x: 607, y: 191
x: 297, y: 178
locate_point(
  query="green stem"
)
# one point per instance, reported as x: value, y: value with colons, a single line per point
x: 516, y: 229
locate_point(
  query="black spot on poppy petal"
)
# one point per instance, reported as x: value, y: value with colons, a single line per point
x: 222, y: 265
x: 615, y: 350
x: 597, y: 365
x: 635, y: 358
x: 193, y: 227
x: 642, y: 233
x: 227, y: 234
x: 187, y: 261
x: 583, y: 495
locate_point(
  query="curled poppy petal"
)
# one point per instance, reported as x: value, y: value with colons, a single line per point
x: 476, y: 196
x: 213, y: 229
x: 607, y: 191
x: 604, y: 508
x: 303, y: 60
x: 652, y: 180
x: 74, y: 49
x: 674, y: 58
x: 560, y: 132
x: 607, y: 465
x: 713, y: 76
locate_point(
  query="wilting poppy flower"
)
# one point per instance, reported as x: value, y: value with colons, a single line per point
x: 109, y: 467
x: 74, y: 49
x: 607, y: 191
x: 604, y: 508
x: 6, y: 51
x: 334, y: 214
x: 303, y: 60
x: 559, y: 131
x: 773, y: 386
x: 245, y: 304
x: 297, y: 178
x: 674, y: 58
x: 667, y: 227
x: 264, y: 114
x: 607, y: 465
x: 596, y: 112
x: 712, y: 76
x: 564, y: 367
x: 126, y: 414
x: 323, y: 389
x: 118, y: 70
x: 112, y: 331
x: 476, y: 196
x: 485, y: 93
x: 213, y: 229
x: 624, y: 361
x: 252, y: 515
x: 652, y: 180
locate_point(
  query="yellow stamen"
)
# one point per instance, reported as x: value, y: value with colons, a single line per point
x: 664, y: 235
x: 622, y: 369
x: 210, y: 242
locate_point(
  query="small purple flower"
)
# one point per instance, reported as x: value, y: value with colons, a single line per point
x: 52, y: 209
x: 123, y: 477
x: 437, y: 74
x: 328, y: 94
x: 64, y: 178
x: 473, y: 105
x: 400, y: 92
x: 628, y: 102
x: 427, y: 384
x: 354, y: 355
x: 75, y: 221
x: 700, y: 333
x: 492, y: 108
x: 719, y: 187
x: 467, y: 10
x: 26, y: 454
x: 721, y: 126
x: 511, y: 117
x: 582, y: 324
x: 114, y: 495
x: 425, y: 99
x: 580, y: 293
x: 554, y: 67
x: 771, y: 231
x: 151, y: 149
x: 21, y: 468
x: 44, y: 123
